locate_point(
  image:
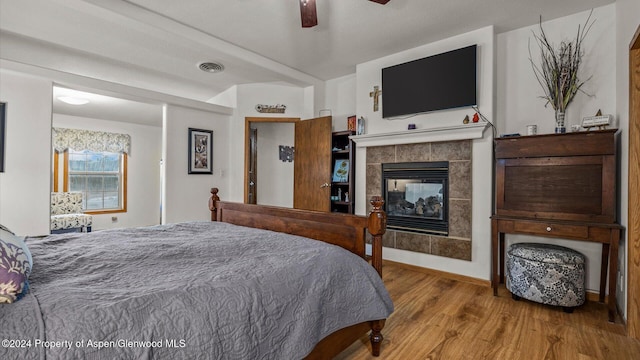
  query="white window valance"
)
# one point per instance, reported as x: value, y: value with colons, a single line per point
x: 99, y: 141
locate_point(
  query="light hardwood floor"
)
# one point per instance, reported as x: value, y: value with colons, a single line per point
x: 440, y: 318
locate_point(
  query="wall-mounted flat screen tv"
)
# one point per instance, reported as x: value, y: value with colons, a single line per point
x: 438, y: 82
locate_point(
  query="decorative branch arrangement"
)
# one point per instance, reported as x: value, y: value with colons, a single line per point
x: 558, y: 70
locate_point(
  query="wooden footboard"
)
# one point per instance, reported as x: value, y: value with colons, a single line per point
x: 345, y: 230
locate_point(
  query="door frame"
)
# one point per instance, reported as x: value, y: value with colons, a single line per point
x: 247, y: 144
x: 633, y: 220
x: 252, y: 192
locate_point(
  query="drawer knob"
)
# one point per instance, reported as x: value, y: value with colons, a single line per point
x: 548, y: 228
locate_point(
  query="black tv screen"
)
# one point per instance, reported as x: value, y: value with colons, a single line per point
x: 437, y: 82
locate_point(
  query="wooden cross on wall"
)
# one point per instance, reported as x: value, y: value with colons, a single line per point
x: 374, y: 94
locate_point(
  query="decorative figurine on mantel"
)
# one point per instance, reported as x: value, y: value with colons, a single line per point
x: 598, y: 120
x: 466, y: 119
x: 360, y: 126
x: 374, y: 94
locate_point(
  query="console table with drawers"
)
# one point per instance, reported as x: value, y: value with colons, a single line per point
x: 559, y: 186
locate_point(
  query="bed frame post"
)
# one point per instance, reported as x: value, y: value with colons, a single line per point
x: 376, y: 336
x: 212, y: 204
x: 377, y: 228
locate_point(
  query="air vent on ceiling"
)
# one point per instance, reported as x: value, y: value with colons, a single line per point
x: 211, y: 67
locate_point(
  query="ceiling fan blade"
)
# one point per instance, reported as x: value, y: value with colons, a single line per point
x: 308, y: 13
x: 380, y: 1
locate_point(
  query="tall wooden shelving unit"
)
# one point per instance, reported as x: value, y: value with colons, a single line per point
x: 342, y: 192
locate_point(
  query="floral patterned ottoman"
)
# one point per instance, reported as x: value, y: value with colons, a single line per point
x: 547, y: 274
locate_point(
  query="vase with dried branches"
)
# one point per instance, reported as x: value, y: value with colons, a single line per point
x: 557, y: 72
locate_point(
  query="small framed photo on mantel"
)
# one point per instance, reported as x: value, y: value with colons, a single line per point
x: 351, y: 123
x: 200, y: 151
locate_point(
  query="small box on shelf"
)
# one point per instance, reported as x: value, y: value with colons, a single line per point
x: 351, y: 123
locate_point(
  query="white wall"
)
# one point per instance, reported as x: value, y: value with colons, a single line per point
x: 25, y: 183
x: 518, y: 104
x: 226, y: 98
x: 518, y: 91
x: 248, y: 96
x: 184, y: 196
x: 627, y: 22
x: 368, y: 75
x: 275, y: 177
x: 143, y: 170
x: 341, y: 100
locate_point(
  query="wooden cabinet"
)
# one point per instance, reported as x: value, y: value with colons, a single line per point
x: 558, y: 186
x: 342, y: 172
x: 565, y: 176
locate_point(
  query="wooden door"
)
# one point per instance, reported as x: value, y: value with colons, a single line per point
x: 312, y: 164
x: 633, y: 222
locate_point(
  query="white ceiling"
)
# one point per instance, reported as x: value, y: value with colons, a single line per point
x: 158, y: 44
x: 107, y: 107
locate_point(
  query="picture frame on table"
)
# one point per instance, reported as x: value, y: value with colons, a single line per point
x: 341, y: 171
x: 200, y: 151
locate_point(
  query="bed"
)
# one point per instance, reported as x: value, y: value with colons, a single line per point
x: 252, y: 284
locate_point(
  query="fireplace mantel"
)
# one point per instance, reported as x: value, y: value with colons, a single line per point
x: 432, y: 134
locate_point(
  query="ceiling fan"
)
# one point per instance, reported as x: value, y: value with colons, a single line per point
x: 308, y: 12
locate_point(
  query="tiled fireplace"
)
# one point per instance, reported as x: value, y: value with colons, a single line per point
x: 457, y: 244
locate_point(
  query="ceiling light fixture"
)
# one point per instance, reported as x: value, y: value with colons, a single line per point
x: 211, y: 67
x: 73, y: 100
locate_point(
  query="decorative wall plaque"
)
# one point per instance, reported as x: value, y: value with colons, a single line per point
x: 286, y: 153
x: 273, y: 109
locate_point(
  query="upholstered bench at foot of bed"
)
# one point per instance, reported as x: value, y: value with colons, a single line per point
x: 547, y: 274
x: 70, y: 222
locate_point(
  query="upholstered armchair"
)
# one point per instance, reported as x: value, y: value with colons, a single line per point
x: 66, y: 213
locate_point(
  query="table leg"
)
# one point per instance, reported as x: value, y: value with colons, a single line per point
x: 613, y: 273
x: 494, y: 256
x: 501, y: 260
x: 604, y: 266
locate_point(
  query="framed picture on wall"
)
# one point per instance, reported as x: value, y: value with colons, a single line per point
x: 200, y: 151
x: 3, y: 133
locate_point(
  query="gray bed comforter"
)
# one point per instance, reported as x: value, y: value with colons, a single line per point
x: 200, y: 290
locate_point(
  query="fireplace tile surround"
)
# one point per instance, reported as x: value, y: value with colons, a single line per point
x: 458, y: 244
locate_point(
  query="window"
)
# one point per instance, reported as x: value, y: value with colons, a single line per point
x: 100, y: 176
x: 95, y: 163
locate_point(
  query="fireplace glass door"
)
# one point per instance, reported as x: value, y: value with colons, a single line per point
x: 416, y: 196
